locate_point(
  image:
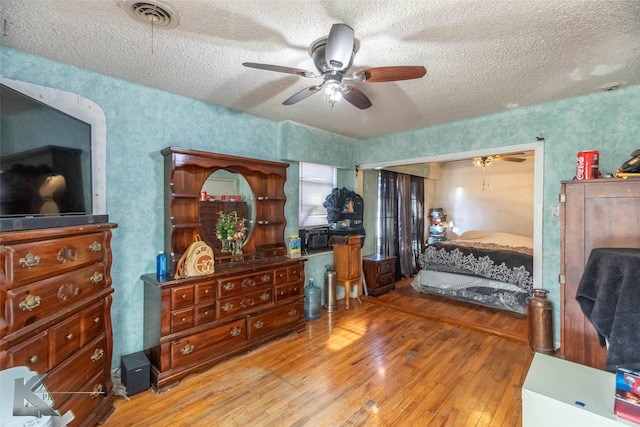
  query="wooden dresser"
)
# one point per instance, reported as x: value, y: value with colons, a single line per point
x: 191, y: 324
x: 379, y: 273
x: 55, y: 293
x: 598, y: 213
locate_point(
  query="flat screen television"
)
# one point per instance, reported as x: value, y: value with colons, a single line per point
x: 51, y: 158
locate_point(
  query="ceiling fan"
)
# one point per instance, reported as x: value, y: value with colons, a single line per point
x: 333, y: 57
x: 489, y: 160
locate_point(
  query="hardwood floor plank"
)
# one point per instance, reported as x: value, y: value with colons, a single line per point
x: 370, y: 365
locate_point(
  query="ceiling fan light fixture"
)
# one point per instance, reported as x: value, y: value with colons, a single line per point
x: 332, y: 91
x: 483, y: 161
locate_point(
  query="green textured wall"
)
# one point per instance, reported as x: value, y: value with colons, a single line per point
x: 142, y: 121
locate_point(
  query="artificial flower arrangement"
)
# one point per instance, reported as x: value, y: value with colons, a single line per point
x: 230, y: 227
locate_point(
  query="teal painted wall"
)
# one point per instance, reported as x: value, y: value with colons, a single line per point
x: 142, y: 121
x: 607, y: 121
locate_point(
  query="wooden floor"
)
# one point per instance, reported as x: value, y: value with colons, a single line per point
x: 497, y: 322
x: 371, y: 365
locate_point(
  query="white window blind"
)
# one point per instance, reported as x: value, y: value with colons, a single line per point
x: 316, y: 183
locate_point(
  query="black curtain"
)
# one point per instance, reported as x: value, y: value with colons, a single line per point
x: 401, y: 218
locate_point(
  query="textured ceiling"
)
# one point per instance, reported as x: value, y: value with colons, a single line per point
x: 482, y: 56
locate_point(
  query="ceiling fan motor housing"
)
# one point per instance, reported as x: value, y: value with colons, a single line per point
x: 317, y: 53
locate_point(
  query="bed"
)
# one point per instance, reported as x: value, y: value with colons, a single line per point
x: 493, y: 269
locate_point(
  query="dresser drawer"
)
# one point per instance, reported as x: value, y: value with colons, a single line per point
x: 386, y: 279
x: 230, y: 306
x: 28, y: 304
x: 265, y: 323
x: 206, y: 292
x: 237, y: 285
x: 281, y: 275
x: 387, y: 267
x: 92, y: 322
x: 82, y: 404
x: 65, y: 338
x: 283, y: 292
x: 32, y: 353
x: 201, y: 346
x: 182, y: 296
x: 73, y: 373
x: 26, y: 262
x: 293, y: 272
x: 181, y: 320
x: 206, y: 313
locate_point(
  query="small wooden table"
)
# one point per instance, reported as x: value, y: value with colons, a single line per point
x: 379, y: 273
x: 347, y: 259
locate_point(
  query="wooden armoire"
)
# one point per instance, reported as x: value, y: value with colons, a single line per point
x: 598, y: 213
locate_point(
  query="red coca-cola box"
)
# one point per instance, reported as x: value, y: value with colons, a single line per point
x: 587, y: 165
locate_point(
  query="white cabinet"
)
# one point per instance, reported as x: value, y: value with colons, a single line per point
x: 566, y: 394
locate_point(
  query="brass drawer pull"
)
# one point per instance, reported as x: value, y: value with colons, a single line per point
x: 96, y: 319
x: 33, y: 359
x: 97, y: 355
x: 229, y: 286
x: 246, y: 302
x: 29, y: 260
x: 265, y: 296
x: 96, y: 278
x: 206, y: 313
x: 187, y: 349
x: 29, y: 303
x: 227, y: 307
x: 184, y: 319
x: 206, y: 291
x: 184, y: 296
x: 95, y: 247
x: 259, y: 324
x: 265, y: 278
x: 235, y: 331
x: 97, y: 391
x: 293, y: 312
x: 68, y: 337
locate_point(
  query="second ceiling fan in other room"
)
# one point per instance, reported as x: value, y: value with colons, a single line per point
x: 333, y: 56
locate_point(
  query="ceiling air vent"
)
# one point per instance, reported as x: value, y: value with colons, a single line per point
x: 152, y: 12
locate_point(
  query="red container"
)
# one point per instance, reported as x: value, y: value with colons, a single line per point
x: 588, y: 165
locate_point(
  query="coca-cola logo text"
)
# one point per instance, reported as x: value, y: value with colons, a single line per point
x: 580, y: 168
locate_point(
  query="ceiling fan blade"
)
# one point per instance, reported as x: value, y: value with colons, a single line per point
x: 280, y: 69
x: 510, y: 159
x: 390, y: 74
x: 356, y: 97
x: 339, y: 49
x: 303, y: 94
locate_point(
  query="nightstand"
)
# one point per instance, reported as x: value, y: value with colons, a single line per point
x: 379, y: 273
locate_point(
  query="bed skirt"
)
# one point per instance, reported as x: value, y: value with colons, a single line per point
x: 478, y: 290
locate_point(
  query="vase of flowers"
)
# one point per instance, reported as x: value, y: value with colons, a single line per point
x: 230, y: 230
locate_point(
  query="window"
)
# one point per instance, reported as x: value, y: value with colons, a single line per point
x: 316, y: 183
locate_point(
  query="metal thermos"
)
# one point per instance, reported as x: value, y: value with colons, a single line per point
x: 540, y: 317
x: 330, y: 287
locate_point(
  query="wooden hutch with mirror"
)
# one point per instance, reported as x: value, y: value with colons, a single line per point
x: 193, y: 323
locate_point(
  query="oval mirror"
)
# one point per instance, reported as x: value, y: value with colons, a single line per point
x: 224, y: 191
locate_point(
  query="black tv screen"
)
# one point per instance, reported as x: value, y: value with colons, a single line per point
x: 45, y: 165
